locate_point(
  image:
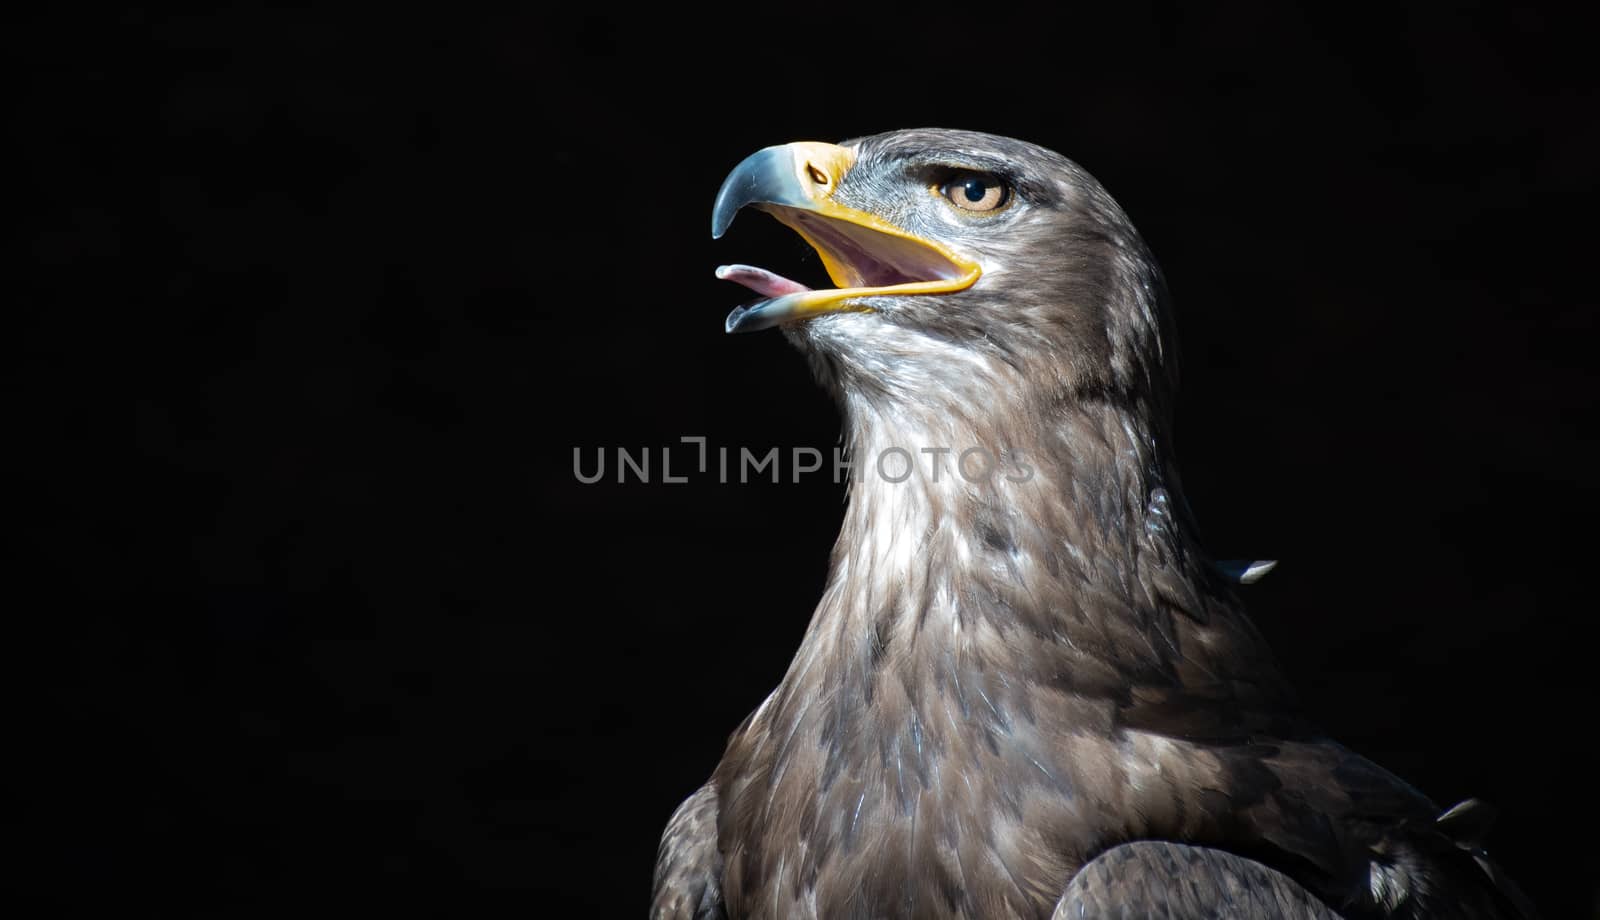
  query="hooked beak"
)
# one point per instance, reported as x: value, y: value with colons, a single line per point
x: 865, y: 255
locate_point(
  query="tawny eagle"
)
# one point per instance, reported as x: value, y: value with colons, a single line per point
x: 1026, y: 691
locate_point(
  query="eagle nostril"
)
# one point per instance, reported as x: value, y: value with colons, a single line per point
x: 817, y: 175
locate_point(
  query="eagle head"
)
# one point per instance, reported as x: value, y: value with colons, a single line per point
x: 965, y: 264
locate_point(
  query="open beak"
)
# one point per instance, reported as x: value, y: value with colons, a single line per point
x: 865, y: 255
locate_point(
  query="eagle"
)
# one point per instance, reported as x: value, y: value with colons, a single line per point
x: 1026, y: 690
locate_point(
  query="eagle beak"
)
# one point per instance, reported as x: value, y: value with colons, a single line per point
x: 865, y: 255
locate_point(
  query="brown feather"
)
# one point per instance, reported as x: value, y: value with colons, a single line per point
x: 1003, y: 679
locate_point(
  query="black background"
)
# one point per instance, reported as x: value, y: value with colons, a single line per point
x: 319, y: 305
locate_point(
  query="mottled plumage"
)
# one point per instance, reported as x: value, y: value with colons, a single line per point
x: 1009, y: 676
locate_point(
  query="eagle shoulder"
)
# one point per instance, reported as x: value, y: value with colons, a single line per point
x: 1158, y: 878
x: 688, y: 880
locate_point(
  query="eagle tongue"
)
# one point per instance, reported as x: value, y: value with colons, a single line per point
x: 763, y: 282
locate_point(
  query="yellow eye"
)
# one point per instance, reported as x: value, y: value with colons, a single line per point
x: 971, y: 191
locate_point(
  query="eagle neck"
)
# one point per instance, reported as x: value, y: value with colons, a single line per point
x: 963, y: 542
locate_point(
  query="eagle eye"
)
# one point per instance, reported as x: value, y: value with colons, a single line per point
x: 976, y: 191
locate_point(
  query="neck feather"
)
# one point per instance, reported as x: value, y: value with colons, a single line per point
x: 1059, y: 542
